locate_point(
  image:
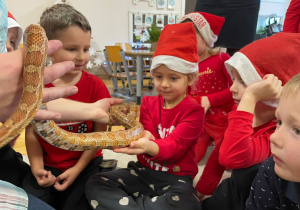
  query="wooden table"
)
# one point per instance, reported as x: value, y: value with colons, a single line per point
x: 139, y: 55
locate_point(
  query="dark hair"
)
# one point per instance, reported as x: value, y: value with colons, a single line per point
x: 60, y: 17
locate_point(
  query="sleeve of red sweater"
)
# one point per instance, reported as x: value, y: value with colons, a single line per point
x: 242, y: 146
x: 292, y: 17
x: 224, y: 96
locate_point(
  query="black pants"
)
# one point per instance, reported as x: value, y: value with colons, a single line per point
x: 73, y: 197
x: 12, y: 166
x: 137, y: 187
x: 232, y: 192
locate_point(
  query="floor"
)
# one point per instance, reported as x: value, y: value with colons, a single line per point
x: 108, y: 154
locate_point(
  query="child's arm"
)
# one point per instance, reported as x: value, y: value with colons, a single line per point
x: 216, y: 99
x: 75, y: 110
x: 224, y: 96
x: 240, y: 148
x: 267, y: 89
x: 64, y: 180
x: 36, y: 159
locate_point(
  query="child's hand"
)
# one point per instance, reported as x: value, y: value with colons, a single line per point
x: 202, y: 197
x: 44, y: 178
x: 148, y: 135
x: 64, y: 180
x: 141, y: 146
x: 268, y: 89
x: 205, y: 103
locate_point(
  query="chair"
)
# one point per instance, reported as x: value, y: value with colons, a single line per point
x: 132, y: 63
x: 114, y: 59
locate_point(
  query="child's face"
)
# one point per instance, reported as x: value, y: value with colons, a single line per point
x: 76, y: 44
x: 171, y: 85
x: 238, y: 87
x: 201, y: 45
x: 11, y: 39
x: 285, y: 141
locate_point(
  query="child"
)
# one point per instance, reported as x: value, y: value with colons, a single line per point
x: 14, y: 34
x: 277, y: 183
x: 257, y: 71
x: 59, y: 176
x: 212, y: 92
x: 163, y: 176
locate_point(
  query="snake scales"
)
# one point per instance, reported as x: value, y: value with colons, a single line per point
x: 33, y: 74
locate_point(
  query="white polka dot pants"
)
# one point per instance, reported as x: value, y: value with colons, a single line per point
x: 137, y: 187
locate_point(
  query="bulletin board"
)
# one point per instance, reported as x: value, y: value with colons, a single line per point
x: 135, y: 29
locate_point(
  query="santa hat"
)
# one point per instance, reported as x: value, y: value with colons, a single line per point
x: 278, y: 55
x: 177, y: 49
x: 208, y: 25
x: 13, y: 23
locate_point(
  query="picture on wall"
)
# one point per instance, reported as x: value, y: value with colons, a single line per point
x: 171, y: 18
x: 160, y: 4
x: 148, y: 20
x: 171, y: 4
x: 138, y: 19
x: 160, y: 20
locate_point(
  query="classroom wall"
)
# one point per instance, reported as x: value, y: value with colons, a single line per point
x: 108, y: 18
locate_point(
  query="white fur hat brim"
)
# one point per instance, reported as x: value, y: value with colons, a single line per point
x: 174, y: 63
x: 11, y: 23
x: 246, y: 71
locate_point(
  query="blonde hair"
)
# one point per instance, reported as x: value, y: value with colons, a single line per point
x: 193, y: 77
x: 292, y: 87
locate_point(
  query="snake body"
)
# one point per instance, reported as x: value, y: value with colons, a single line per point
x: 33, y: 75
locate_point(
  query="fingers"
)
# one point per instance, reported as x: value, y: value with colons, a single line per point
x: 57, y: 70
x: 53, y: 45
x: 47, y: 115
x: 115, y: 101
x: 58, y: 92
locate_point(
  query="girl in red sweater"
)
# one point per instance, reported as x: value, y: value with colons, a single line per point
x: 163, y: 176
x: 212, y: 92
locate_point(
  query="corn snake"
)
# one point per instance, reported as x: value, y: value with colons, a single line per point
x: 31, y: 101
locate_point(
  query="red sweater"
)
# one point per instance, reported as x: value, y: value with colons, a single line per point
x: 292, y: 17
x: 90, y: 89
x: 176, y: 132
x: 214, y: 82
x: 243, y: 145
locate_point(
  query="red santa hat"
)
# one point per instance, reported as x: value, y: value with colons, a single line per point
x: 177, y: 49
x: 278, y: 55
x: 208, y: 25
x: 11, y: 23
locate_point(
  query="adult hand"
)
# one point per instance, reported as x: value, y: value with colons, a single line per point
x: 11, y: 81
x: 74, y: 110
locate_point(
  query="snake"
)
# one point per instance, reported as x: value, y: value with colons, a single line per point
x: 31, y: 101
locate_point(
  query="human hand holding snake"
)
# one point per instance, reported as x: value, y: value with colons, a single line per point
x: 32, y: 99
